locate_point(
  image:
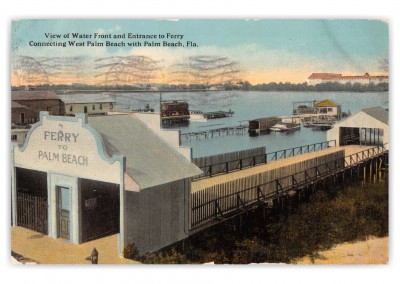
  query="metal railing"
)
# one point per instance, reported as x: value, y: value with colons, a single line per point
x: 239, y: 164
x: 206, y: 209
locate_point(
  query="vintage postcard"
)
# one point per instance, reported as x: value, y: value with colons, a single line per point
x: 199, y: 141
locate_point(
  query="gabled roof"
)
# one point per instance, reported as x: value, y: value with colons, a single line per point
x: 326, y: 103
x: 33, y: 95
x: 150, y: 161
x: 378, y: 113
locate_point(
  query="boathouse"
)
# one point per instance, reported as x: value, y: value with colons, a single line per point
x: 82, y: 178
x: 368, y: 127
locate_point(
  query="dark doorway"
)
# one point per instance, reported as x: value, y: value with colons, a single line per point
x: 85, y: 109
x: 349, y: 136
x: 22, y: 117
x: 32, y: 207
x: 100, y: 209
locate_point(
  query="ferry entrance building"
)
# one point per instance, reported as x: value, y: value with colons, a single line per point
x: 80, y: 180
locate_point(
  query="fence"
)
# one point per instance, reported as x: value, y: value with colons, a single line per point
x: 32, y: 212
x: 213, y: 167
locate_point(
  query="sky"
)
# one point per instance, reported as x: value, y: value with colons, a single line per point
x: 258, y: 51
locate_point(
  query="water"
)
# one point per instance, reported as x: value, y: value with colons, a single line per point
x: 247, y: 106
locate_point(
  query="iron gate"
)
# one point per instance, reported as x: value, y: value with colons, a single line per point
x: 32, y: 212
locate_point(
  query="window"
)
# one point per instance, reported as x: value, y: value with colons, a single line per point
x: 101, y: 106
x: 93, y: 107
x: 70, y: 108
x: 111, y: 105
x: 13, y: 137
x: 329, y: 109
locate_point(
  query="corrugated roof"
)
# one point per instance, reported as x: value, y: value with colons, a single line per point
x: 33, y: 95
x: 149, y: 160
x: 378, y: 113
x: 326, y: 103
x: 86, y: 98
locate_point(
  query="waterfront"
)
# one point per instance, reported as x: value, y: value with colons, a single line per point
x: 247, y: 106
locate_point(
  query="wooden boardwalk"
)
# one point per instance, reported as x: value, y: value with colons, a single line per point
x: 217, y: 197
x: 220, y: 179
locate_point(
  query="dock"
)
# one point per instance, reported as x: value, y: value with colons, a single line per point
x: 210, y: 133
x: 218, y: 114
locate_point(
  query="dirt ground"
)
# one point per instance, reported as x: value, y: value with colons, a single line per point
x: 44, y: 250
x: 371, y: 251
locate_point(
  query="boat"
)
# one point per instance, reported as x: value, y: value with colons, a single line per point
x: 284, y: 127
x: 322, y: 126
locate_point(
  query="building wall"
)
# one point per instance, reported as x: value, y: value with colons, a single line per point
x: 30, y: 116
x: 54, y: 107
x: 362, y: 81
x: 329, y: 110
x: 44, y: 151
x: 158, y: 216
x: 172, y: 137
x: 359, y: 120
x: 80, y: 108
x: 18, y: 135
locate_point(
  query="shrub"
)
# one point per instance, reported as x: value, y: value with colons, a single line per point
x: 131, y: 251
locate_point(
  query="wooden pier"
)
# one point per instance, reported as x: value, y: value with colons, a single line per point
x: 218, y: 198
x: 218, y: 114
x: 210, y: 133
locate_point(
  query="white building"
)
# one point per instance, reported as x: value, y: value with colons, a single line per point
x: 327, y: 107
x: 368, y: 127
x: 88, y: 103
x: 88, y: 177
x: 319, y: 78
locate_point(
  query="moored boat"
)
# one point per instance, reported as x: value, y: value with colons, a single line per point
x: 283, y: 127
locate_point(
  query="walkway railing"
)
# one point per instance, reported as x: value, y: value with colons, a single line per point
x: 239, y: 164
x: 211, y: 204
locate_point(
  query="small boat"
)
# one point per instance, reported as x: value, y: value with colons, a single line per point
x: 283, y: 127
x: 322, y: 126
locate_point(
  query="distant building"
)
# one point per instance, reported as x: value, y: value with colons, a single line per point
x: 22, y: 115
x: 39, y: 101
x: 319, y: 78
x: 88, y: 103
x: 327, y: 107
